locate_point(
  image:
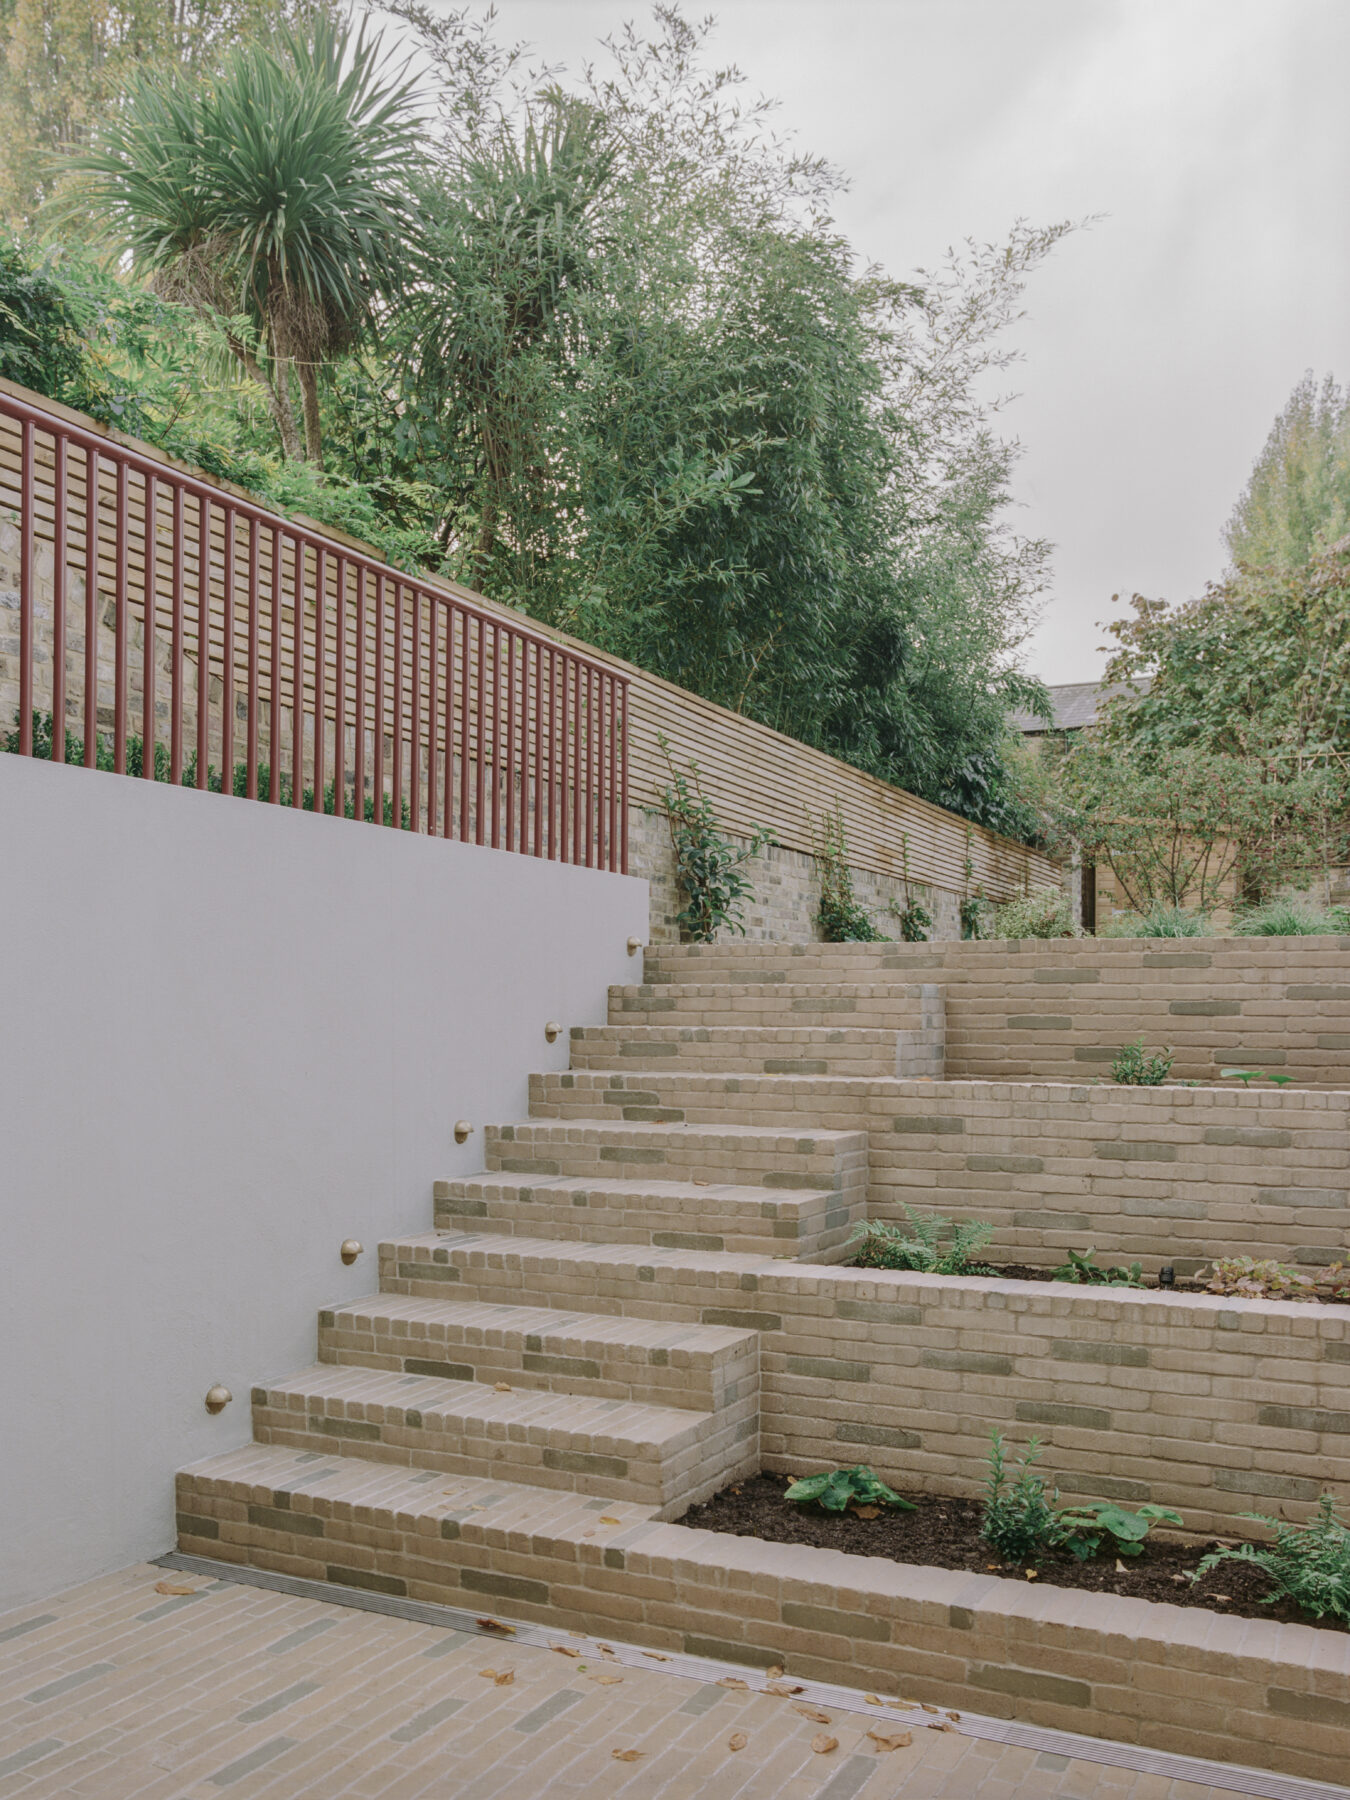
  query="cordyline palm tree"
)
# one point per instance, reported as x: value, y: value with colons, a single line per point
x: 274, y: 194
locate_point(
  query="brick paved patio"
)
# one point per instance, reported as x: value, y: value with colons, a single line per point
x: 119, y: 1689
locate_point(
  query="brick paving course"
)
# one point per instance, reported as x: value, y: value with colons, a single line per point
x: 123, y: 1693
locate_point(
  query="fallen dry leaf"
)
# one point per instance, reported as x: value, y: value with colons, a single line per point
x: 626, y: 1755
x: 867, y: 1512
x: 784, y: 1689
x: 734, y: 1681
x: 940, y: 1725
x: 774, y: 1671
x: 607, y: 1649
x: 656, y: 1656
x: 891, y: 1740
x: 495, y: 1625
x: 564, y: 1650
x: 737, y: 1741
x: 1032, y: 1575
x: 173, y: 1587
x: 872, y: 1699
x: 814, y: 1712
x: 498, y: 1677
x: 822, y: 1745
x: 952, y: 1715
x: 603, y: 1677
x: 924, y: 1705
x: 501, y: 1387
x: 698, y: 1183
x: 606, y: 1520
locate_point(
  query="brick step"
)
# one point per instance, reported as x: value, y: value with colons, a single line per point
x: 881, y: 1005
x: 598, y: 1149
x: 698, y: 1368
x: 810, y: 1224
x: 758, y: 1049
x: 661, y: 1456
x: 611, y: 1570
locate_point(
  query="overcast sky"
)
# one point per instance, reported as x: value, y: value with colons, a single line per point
x: 1215, y: 137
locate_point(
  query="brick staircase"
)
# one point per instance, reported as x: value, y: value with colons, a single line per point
x: 642, y: 1297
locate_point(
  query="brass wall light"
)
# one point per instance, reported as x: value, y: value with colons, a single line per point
x: 462, y: 1130
x: 218, y: 1398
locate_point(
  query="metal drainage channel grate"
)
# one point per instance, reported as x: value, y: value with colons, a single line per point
x: 1226, y: 1777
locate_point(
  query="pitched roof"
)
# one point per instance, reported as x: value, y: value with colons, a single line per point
x: 1075, y: 704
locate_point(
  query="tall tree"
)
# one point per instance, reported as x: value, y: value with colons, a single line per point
x: 270, y: 198
x: 1297, y: 500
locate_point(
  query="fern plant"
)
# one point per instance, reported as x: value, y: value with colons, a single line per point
x: 1308, y: 1564
x: 919, y: 1246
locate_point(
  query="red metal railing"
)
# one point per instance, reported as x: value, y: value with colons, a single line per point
x: 280, y: 664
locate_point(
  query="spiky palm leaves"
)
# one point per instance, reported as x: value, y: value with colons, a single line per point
x: 273, y: 193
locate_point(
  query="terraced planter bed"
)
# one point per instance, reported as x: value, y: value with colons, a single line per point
x: 1149, y: 1284
x: 944, y: 1533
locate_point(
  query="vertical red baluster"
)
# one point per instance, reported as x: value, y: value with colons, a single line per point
x: 251, y: 707
x: 91, y: 527
x: 149, y: 601
x: 465, y: 674
x: 551, y: 740
x: 176, y: 672
x: 59, y: 603
x: 614, y: 772
x: 203, y: 635
x: 398, y: 704
x: 494, y: 726
x: 340, y: 695
x: 379, y: 699
x: 415, y: 724
x: 274, y: 650
x: 231, y: 523
x: 480, y: 708
x: 592, y: 771
x: 359, y: 747
x: 26, y: 595
x: 623, y: 774
x: 578, y: 727
x: 511, y: 740
x: 120, y: 652
x: 433, y: 665
x: 320, y: 667
x: 299, y: 561
x: 448, y: 821
x: 565, y: 763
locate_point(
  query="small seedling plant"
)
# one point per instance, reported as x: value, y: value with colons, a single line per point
x: 1248, y: 1076
x: 1020, y: 1523
x: 1132, y: 1068
x: 1308, y: 1564
x: 1088, y: 1528
x: 1082, y: 1268
x: 919, y: 1245
x: 1260, y: 1278
x: 1023, y: 1522
x: 839, y: 1489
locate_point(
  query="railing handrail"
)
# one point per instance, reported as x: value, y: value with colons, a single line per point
x: 500, y: 722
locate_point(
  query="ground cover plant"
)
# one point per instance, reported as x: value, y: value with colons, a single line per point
x: 927, y: 1244
x: 1082, y: 1268
x: 1289, y: 918
x: 839, y: 1489
x: 1159, y: 921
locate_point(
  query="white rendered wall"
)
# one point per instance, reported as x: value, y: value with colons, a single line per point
x: 233, y: 1036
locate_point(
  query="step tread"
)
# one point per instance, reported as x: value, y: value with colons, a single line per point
x: 625, y: 1131
x: 351, y: 1481
x: 503, y: 1320
x: 580, y: 1250
x: 724, y: 1193
x: 627, y: 1423
x: 791, y: 990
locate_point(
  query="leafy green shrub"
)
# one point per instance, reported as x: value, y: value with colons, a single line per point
x: 1308, y: 1564
x: 880, y: 1245
x: 1131, y: 1068
x: 1081, y: 1268
x: 838, y: 1489
x: 915, y: 922
x: 977, y: 917
x: 1020, y: 1522
x: 1087, y: 1528
x: 1285, y: 918
x: 1044, y: 913
x: 707, y: 865
x: 1158, y: 922
x: 841, y: 916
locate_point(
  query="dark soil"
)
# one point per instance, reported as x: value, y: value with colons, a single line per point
x: 945, y: 1534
